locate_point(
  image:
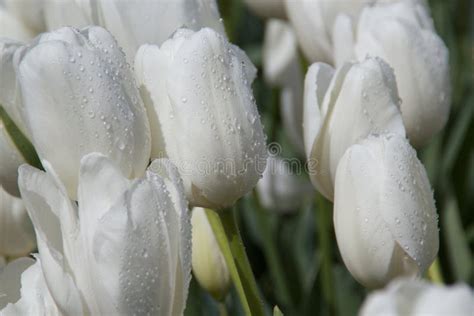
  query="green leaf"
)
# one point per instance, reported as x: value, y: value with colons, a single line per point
x: 277, y: 311
x: 21, y: 142
x: 458, y: 251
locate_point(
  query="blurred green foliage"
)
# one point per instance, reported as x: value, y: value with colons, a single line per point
x: 285, y: 251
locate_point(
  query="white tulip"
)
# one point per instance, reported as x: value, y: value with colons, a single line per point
x: 402, y: 33
x: 79, y: 96
x: 30, y: 12
x: 137, y: 22
x: 281, y: 66
x: 10, y: 159
x: 209, y: 266
x: 24, y: 290
x: 281, y: 190
x: 203, y: 116
x: 313, y: 21
x: 342, y: 108
x: 404, y: 297
x: 17, y: 237
x: 13, y: 28
x: 125, y: 249
x: 267, y: 8
x: 384, y: 212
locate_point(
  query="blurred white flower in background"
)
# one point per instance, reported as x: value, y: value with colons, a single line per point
x: 79, y: 96
x: 281, y: 189
x: 384, y: 212
x: 404, y: 297
x: 12, y: 27
x: 209, y: 266
x: 135, y: 22
x: 341, y: 108
x: 281, y: 68
x: 313, y: 21
x: 125, y: 249
x: 17, y: 237
x: 203, y: 115
x: 402, y: 33
x: 29, y: 12
x: 267, y: 8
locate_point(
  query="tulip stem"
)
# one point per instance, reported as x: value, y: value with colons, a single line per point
x: 324, y: 223
x: 225, y: 228
x: 434, y: 272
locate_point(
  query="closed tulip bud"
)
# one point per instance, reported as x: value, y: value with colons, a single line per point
x: 416, y: 297
x: 24, y: 290
x: 11, y: 159
x: 281, y: 65
x: 281, y: 190
x: 313, y: 21
x: 209, y: 266
x: 79, y: 96
x: 343, y: 107
x: 384, y: 212
x: 203, y: 116
x: 267, y: 8
x: 17, y: 237
x: 124, y: 248
x: 402, y: 33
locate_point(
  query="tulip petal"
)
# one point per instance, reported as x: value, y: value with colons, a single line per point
x: 175, y: 187
x: 366, y: 101
x: 10, y: 276
x: 11, y: 27
x: 403, y: 35
x: 95, y: 105
x: 364, y: 239
x: 417, y: 297
x: 343, y: 39
x: 411, y: 216
x: 152, y: 213
x: 316, y: 84
x: 53, y: 217
x: 35, y: 297
x: 17, y: 234
x: 133, y: 22
x: 384, y: 213
x: 280, y: 52
x: 200, y: 89
x: 10, y: 98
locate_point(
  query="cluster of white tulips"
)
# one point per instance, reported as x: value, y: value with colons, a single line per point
x: 141, y: 114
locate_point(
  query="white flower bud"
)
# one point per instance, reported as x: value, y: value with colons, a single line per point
x: 384, y: 212
x: 341, y: 109
x: 203, y: 115
x: 209, y: 266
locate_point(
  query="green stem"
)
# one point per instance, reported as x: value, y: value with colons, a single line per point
x: 222, y: 309
x: 434, y: 272
x: 324, y: 223
x: 225, y: 228
x: 270, y: 251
